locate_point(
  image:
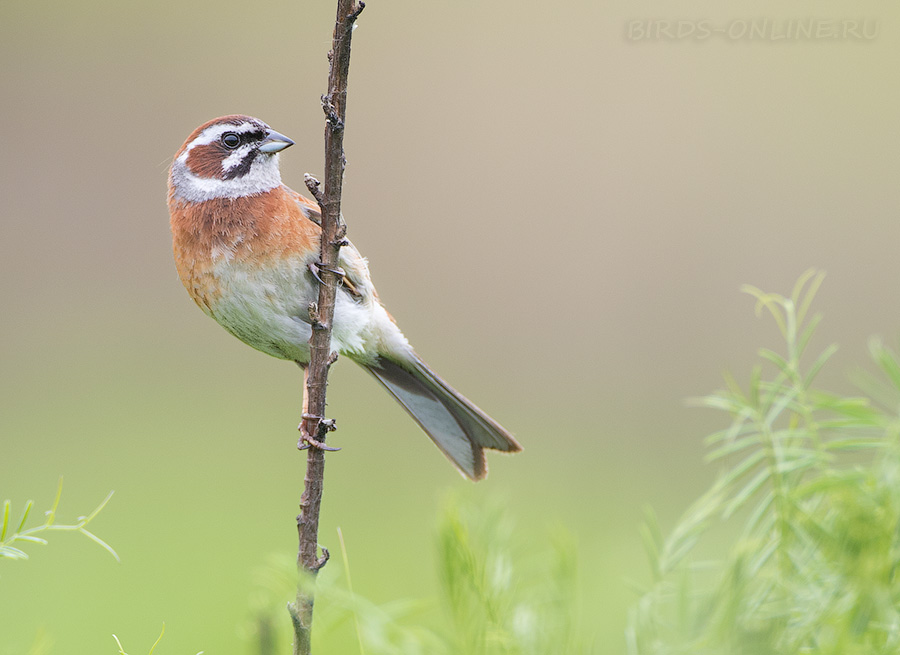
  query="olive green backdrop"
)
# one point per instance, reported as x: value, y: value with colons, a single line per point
x: 558, y: 212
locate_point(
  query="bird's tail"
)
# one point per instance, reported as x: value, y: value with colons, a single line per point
x: 456, y: 426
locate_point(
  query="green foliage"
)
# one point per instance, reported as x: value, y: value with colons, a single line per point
x: 494, y: 608
x: 10, y: 535
x: 494, y: 601
x: 152, y: 648
x: 813, y: 567
x: 794, y: 548
x: 388, y: 628
x: 42, y: 644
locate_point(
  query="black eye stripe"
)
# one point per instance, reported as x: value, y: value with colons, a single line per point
x: 241, y: 169
x: 232, y: 140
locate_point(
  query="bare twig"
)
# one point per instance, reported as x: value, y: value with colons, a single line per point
x: 314, y: 427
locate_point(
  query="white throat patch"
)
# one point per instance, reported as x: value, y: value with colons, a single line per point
x: 264, y: 175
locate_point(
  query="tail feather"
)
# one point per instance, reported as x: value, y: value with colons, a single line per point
x: 456, y: 426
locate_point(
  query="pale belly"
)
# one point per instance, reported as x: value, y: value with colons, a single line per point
x: 268, y: 309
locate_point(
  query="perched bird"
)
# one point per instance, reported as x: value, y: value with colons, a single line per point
x: 246, y: 247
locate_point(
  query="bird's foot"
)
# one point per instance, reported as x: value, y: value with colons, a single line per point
x: 322, y: 561
x: 306, y: 443
x: 323, y: 427
x: 315, y: 267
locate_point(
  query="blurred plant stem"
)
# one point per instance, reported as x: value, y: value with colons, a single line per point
x: 503, y: 591
x: 813, y: 568
x: 10, y: 535
x: 314, y: 426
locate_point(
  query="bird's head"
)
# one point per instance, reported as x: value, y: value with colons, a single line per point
x: 228, y: 157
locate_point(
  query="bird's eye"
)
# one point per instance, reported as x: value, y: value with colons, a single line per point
x: 231, y: 140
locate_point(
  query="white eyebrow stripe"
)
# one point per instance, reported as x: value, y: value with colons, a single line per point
x: 213, y: 132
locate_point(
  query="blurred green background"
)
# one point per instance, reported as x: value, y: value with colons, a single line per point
x: 558, y: 215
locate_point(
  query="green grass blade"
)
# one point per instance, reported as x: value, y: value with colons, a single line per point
x: 346, y: 562
x: 850, y: 444
x: 6, y: 505
x: 755, y: 377
x: 739, y: 428
x: 885, y: 358
x: 12, y: 553
x: 51, y: 514
x: 158, y: 639
x: 779, y: 406
x: 733, y: 447
x: 807, y: 334
x: 748, y: 491
x: 811, y: 291
x: 25, y: 514
x: 746, y: 465
x: 776, y: 359
x: 800, y: 283
x: 771, y: 301
x: 101, y: 543
x: 818, y: 364
x: 90, y: 517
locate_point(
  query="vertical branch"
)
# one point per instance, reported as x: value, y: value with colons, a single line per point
x: 314, y: 426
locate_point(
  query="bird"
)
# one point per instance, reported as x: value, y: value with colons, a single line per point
x: 246, y: 248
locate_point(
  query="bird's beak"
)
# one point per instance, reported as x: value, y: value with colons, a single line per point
x: 274, y: 142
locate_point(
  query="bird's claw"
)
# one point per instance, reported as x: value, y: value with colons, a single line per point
x: 306, y: 443
x: 322, y: 561
x: 315, y: 267
x: 324, y: 426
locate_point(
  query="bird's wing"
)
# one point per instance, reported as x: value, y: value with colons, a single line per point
x: 309, y: 208
x: 355, y: 281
